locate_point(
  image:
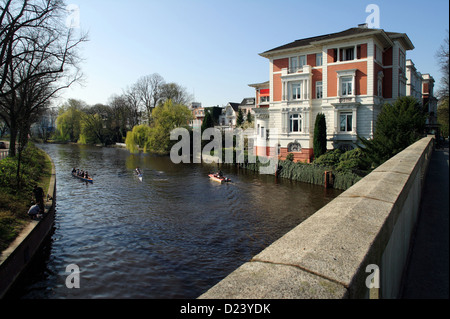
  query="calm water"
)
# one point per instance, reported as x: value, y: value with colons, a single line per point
x: 173, y: 235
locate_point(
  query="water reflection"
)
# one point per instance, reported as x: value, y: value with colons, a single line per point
x: 172, y: 235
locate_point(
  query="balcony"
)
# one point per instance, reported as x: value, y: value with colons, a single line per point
x: 306, y: 69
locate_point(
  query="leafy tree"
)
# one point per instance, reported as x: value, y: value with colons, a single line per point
x: 398, y: 125
x: 68, y: 123
x: 137, y: 137
x: 156, y: 138
x: 320, y: 135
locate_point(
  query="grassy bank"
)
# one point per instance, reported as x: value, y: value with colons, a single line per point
x: 16, y: 194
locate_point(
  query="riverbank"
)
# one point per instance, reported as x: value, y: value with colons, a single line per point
x: 15, y: 201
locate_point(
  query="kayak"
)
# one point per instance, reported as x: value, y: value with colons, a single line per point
x: 89, y: 180
x: 219, y: 179
x: 140, y: 176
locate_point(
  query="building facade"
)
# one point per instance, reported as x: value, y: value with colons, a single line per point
x: 347, y: 75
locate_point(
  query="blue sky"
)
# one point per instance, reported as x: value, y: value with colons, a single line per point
x: 211, y: 47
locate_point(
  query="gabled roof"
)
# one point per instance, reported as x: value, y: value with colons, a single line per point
x: 385, y: 37
x: 235, y: 106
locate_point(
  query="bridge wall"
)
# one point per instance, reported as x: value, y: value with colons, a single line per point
x: 334, y: 253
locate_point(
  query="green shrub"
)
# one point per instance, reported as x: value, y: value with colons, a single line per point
x: 353, y: 160
x: 330, y: 158
x: 290, y: 157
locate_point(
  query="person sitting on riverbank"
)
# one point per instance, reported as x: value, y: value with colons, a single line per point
x: 34, y: 211
x: 38, y: 193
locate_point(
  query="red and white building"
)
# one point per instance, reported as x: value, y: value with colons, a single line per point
x: 347, y: 75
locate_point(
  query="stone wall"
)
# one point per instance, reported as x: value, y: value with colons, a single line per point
x: 333, y: 253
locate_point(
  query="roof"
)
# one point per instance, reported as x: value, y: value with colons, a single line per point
x: 248, y: 101
x: 235, y: 106
x: 260, y: 85
x: 352, y: 32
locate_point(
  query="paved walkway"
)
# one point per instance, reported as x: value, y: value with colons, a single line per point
x: 427, y: 275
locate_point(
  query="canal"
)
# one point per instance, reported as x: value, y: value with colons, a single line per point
x: 174, y: 234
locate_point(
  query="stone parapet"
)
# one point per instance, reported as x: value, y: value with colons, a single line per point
x: 333, y: 253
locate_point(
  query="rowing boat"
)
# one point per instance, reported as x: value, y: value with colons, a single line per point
x: 219, y: 179
x: 89, y: 180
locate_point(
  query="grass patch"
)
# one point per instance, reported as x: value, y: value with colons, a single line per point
x: 16, y: 194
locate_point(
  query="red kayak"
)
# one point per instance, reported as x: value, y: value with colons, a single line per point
x: 219, y: 179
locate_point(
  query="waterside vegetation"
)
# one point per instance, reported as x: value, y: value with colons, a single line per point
x: 16, y: 195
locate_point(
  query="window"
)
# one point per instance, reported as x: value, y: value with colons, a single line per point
x: 319, y: 60
x: 346, y: 86
x: 295, y: 122
x: 348, y: 54
x: 319, y: 93
x: 346, y: 119
x: 262, y: 131
x: 379, y: 54
x: 296, y: 63
x: 302, y: 61
x: 296, y: 89
x: 264, y: 99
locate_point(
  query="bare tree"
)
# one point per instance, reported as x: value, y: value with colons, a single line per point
x: 175, y: 92
x: 134, y: 103
x: 38, y: 58
x: 149, y: 89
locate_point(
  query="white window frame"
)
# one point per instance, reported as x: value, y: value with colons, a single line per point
x: 296, y: 90
x: 346, y: 114
x: 295, y: 117
x: 346, y: 86
x: 344, y: 75
x: 319, y: 59
x: 302, y: 61
x: 293, y: 64
x: 319, y: 84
